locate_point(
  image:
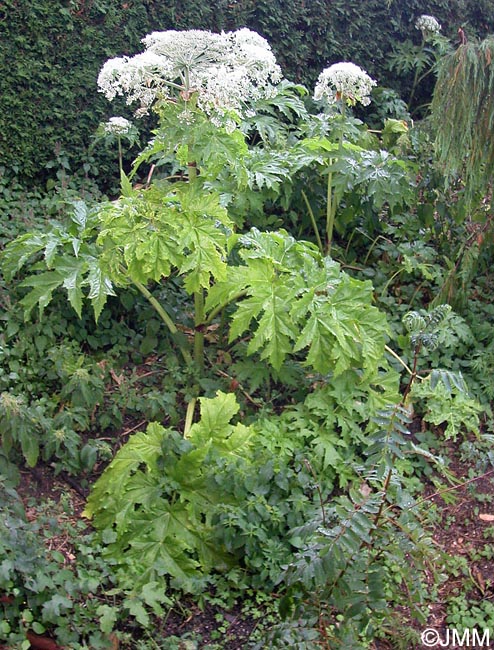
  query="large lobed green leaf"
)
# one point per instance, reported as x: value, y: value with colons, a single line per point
x: 154, y: 501
x: 165, y: 229
x: 67, y: 257
x: 294, y: 301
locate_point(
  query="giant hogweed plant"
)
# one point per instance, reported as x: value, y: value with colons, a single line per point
x: 290, y: 299
x: 421, y: 59
x: 344, y: 84
x: 218, y: 495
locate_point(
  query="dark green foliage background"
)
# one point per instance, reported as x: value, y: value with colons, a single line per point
x: 51, y: 53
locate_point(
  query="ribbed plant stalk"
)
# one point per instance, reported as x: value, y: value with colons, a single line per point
x: 314, y: 222
x: 331, y: 203
x: 120, y: 155
x: 198, y: 298
x: 417, y: 80
x: 189, y: 416
x: 165, y: 317
x: 198, y: 328
x: 330, y: 211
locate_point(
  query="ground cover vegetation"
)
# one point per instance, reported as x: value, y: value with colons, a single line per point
x: 258, y: 355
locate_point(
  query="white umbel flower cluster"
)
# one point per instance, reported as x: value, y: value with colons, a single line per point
x: 117, y: 126
x: 224, y: 71
x: 428, y: 25
x: 346, y: 82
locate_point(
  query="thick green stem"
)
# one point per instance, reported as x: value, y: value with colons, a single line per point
x: 120, y: 156
x: 412, y: 91
x: 192, y: 171
x: 199, y: 324
x: 417, y: 78
x: 313, y: 221
x: 220, y: 308
x: 198, y: 298
x: 165, y: 317
x: 330, y: 212
x: 331, y: 203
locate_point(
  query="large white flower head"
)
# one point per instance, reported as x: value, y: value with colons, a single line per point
x: 226, y: 71
x: 428, y: 25
x: 346, y: 82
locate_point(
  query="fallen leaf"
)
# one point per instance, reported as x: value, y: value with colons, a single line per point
x: 365, y: 490
x: 479, y: 578
x: 486, y: 517
x: 39, y: 642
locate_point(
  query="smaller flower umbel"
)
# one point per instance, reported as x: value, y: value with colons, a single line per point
x: 118, y: 128
x: 428, y: 25
x: 432, y: 47
x: 345, y: 82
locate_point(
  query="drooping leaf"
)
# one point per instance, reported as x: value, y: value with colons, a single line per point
x: 19, y: 251
x: 112, y: 486
x: 204, y: 260
x: 43, y: 285
x: 151, y: 257
x: 100, y: 286
x: 449, y: 379
x: 79, y: 214
x: 72, y: 270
